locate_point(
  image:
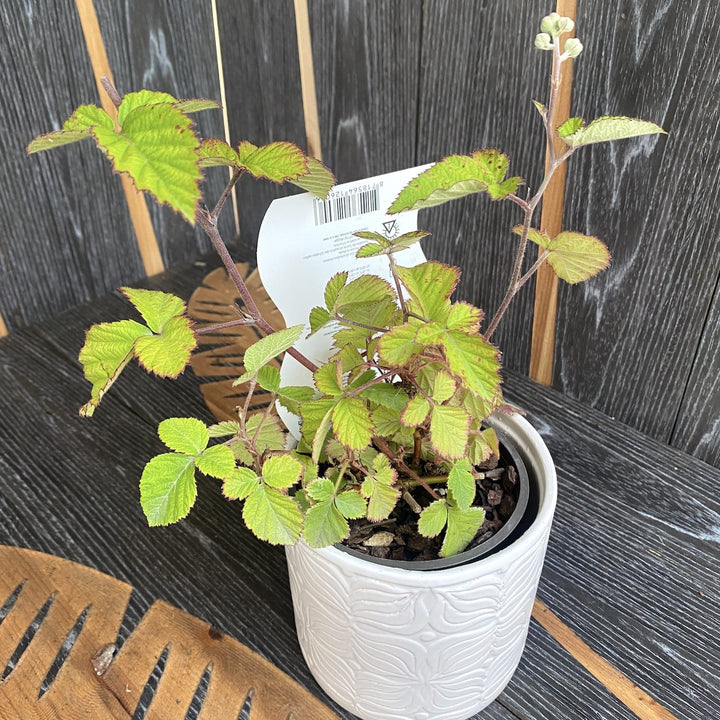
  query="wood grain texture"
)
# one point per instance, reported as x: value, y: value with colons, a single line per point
x: 366, y: 56
x: 697, y: 430
x: 262, y: 84
x: 66, y: 236
x: 627, y: 338
x: 307, y: 79
x: 170, y: 47
x: 476, y: 88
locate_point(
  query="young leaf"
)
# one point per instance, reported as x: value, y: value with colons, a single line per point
x: 465, y: 317
x: 107, y: 350
x: 318, y: 180
x: 137, y: 99
x: 482, y: 445
x: 319, y: 438
x: 184, y: 435
x: 449, y: 428
x: 193, y: 105
x: 416, y: 412
x: 333, y: 287
x: 321, y: 490
x: 386, y: 395
x: 362, y: 290
x: 217, y: 461
x: 457, y: 176
x: 430, y: 285
x: 291, y: 396
x: 605, y: 129
x: 76, y: 127
x: 168, y: 353
x: 397, y: 346
x: 272, y: 516
x: 224, y: 429
x: 379, y: 488
x: 319, y: 318
x: 278, y: 161
x: 270, y: 436
x: 575, y: 257
x: 281, y: 471
x: 351, y: 504
x: 461, y: 483
x: 370, y: 250
x: 167, y: 488
x: 268, y: 378
x: 462, y: 526
x: 570, y: 126
x: 240, y: 483
x: 326, y: 379
x: 352, y: 424
x: 157, y: 149
x: 433, y: 519
x: 213, y: 152
x: 475, y: 361
x: 324, y: 525
x: 155, y: 307
x: 268, y: 348
x: 444, y: 387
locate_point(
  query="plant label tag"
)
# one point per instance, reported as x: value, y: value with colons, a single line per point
x: 304, y: 241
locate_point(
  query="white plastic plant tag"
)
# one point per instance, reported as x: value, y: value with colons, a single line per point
x: 304, y: 241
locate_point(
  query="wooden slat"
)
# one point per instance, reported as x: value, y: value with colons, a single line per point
x: 307, y: 79
x: 3, y: 327
x: 542, y: 349
x: 144, y: 233
x: 626, y: 340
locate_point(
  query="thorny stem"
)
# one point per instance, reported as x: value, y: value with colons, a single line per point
x: 400, y: 463
x: 237, y: 172
x: 398, y: 286
x: 223, y: 326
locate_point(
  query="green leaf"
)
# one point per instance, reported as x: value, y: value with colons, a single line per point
x: 312, y: 413
x: 76, y: 127
x: 319, y: 318
x: 167, y: 488
x: 324, y: 525
x: 575, y: 257
x: 387, y: 395
x: 267, y: 349
x: 270, y: 436
x: 430, y: 285
x: 213, y: 152
x: 140, y: 98
x: 278, y: 161
x: 416, y: 411
x: 433, y: 519
x: 570, y: 126
x: 482, y: 445
x: 184, y: 435
x: 383, y: 246
x: 379, y: 488
x: 465, y: 317
x: 537, y: 236
x: 107, y: 350
x: 352, y: 425
x: 224, y: 429
x: 457, y: 176
x: 326, y: 379
x: 291, y: 396
x: 370, y: 250
x: 461, y: 483
x: 540, y: 108
x: 366, y: 289
x: 319, y: 437
x: 240, y: 483
x: 606, y: 129
x: 193, y: 105
x: 157, y: 149
x: 281, y: 471
x: 272, y: 516
x: 397, y: 346
x: 333, y: 287
x: 268, y: 378
x: 155, y: 307
x: 449, y: 428
x: 351, y: 504
x: 475, y: 361
x: 321, y: 490
x: 168, y: 353
x: 462, y: 526
x: 444, y: 387
x: 217, y: 461
x: 318, y: 181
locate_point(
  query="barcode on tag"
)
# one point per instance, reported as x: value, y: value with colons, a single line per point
x: 357, y: 201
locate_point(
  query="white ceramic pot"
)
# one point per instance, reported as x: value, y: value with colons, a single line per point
x: 388, y: 643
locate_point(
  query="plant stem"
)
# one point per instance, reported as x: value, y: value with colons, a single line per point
x: 398, y: 286
x: 237, y: 172
x: 113, y: 94
x: 400, y: 463
x: 223, y: 326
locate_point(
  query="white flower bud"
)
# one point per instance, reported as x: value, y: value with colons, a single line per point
x: 573, y: 47
x: 555, y: 24
x: 543, y: 42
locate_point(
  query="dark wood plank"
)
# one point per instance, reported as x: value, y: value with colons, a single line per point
x: 66, y: 235
x: 632, y: 564
x: 697, y: 430
x: 170, y: 47
x: 626, y: 340
x: 480, y: 71
x: 262, y: 85
x: 366, y: 57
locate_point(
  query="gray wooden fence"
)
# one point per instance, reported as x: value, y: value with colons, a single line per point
x: 399, y: 83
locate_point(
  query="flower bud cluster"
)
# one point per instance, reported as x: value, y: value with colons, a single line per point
x: 552, y: 26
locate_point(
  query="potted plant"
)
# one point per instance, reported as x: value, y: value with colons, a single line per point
x: 403, y: 427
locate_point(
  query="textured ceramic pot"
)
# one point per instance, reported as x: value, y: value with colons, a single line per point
x: 388, y: 643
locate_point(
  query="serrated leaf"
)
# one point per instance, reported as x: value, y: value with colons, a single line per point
x: 107, y: 350
x: 137, y: 99
x: 461, y: 483
x: 386, y: 421
x: 214, y: 151
x: 321, y: 489
x: 462, y: 526
x: 319, y: 318
x: 241, y: 452
x: 318, y: 180
x: 465, y: 317
x: 312, y: 413
x: 267, y: 349
x: 367, y: 289
x: 318, y: 440
x: 444, y: 387
x: 240, y: 483
x: 75, y: 128
x: 481, y: 446
x: 324, y: 525
x: 430, y: 285
x: 539, y: 237
x: 475, y: 361
x: 157, y: 149
x: 397, y: 346
x: 570, y: 126
x: 168, y: 353
x: 272, y: 516
x: 291, y: 396
x: 457, y: 176
x: 606, y: 129
x: 351, y: 504
x: 540, y: 108
x: 387, y: 395
x: 155, y: 307
x: 352, y: 425
x: 224, y: 429
x: 575, y: 257
x: 278, y: 161
x: 193, y: 105
x: 281, y: 471
x: 415, y: 412
x: 369, y: 250
x: 268, y: 378
x: 333, y: 287
x: 184, y: 435
x: 379, y: 488
x: 406, y: 240
x: 167, y: 488
x: 449, y: 428
x: 433, y: 518
x: 216, y: 461
x: 326, y: 379
x: 270, y: 435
